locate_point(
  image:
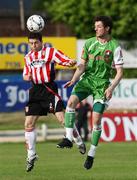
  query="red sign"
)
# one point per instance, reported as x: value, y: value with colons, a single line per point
x: 119, y: 127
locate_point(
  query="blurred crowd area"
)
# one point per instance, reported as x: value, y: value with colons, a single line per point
x: 10, y: 27
x: 13, y: 14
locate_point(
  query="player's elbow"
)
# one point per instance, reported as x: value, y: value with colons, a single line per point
x: 121, y: 73
x: 81, y: 67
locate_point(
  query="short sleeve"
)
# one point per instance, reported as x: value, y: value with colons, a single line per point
x: 118, y: 57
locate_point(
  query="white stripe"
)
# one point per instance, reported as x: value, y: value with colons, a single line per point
x: 44, y: 68
x: 45, y: 74
x: 56, y: 101
x: 38, y: 69
x: 90, y: 47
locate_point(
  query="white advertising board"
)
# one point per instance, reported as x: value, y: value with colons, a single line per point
x: 125, y: 95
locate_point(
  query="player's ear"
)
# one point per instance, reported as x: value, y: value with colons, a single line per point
x: 107, y: 28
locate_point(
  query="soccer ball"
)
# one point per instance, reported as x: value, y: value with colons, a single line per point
x: 35, y: 23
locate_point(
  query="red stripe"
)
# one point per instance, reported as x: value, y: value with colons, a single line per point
x: 35, y: 69
x: 43, y: 53
x: 114, y: 65
x: 50, y: 90
x: 50, y: 54
x: 36, y: 55
x: 44, y: 48
x: 119, y: 64
x: 61, y: 59
x: 60, y: 52
x: 48, y: 63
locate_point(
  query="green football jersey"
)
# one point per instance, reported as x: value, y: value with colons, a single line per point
x: 101, y: 57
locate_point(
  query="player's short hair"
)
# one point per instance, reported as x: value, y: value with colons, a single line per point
x: 35, y: 36
x: 106, y: 20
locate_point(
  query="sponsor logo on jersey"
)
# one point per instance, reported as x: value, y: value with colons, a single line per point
x: 38, y: 63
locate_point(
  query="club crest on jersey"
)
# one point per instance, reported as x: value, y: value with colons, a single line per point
x: 107, y: 55
x: 38, y: 63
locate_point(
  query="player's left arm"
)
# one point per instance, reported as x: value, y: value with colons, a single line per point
x: 115, y: 82
x: 118, y: 64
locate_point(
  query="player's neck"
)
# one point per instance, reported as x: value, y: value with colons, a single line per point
x: 104, y: 39
x: 37, y: 49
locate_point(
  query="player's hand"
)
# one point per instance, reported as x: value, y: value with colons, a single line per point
x: 72, y: 63
x: 108, y: 93
x: 68, y: 84
x: 28, y: 77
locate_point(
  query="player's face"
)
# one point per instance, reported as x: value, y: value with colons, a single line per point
x: 35, y: 45
x: 100, y: 30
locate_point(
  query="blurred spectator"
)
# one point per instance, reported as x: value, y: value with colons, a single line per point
x: 48, y: 44
x: 83, y: 114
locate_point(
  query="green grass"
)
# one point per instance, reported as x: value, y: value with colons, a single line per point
x: 114, y: 161
x: 15, y: 121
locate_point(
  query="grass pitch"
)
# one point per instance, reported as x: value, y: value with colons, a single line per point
x: 15, y: 121
x: 114, y: 161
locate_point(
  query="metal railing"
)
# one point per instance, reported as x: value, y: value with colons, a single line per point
x: 43, y: 134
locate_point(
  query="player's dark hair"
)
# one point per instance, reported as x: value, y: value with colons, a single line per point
x: 35, y: 36
x: 106, y: 20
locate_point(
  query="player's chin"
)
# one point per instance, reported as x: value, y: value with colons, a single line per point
x: 99, y: 35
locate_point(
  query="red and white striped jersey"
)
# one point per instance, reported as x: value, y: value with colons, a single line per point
x: 41, y: 64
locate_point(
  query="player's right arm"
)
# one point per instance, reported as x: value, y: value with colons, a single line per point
x: 61, y: 59
x: 79, y: 71
x: 26, y: 72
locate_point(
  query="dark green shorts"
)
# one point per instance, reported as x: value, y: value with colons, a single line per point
x: 94, y: 87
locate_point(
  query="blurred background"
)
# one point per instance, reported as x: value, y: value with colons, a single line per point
x: 67, y: 25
